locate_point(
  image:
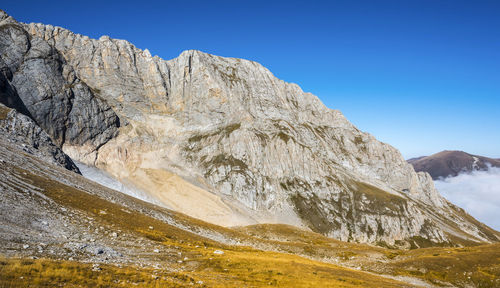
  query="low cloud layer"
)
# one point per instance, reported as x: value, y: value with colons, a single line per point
x: 477, y: 192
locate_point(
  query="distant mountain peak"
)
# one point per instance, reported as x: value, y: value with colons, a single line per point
x: 451, y: 163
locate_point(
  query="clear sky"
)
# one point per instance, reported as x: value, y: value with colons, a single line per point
x: 423, y: 76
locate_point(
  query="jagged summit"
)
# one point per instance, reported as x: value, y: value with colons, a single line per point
x: 221, y: 139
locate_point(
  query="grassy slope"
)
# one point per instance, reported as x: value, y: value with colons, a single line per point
x: 51, y: 273
x: 244, y: 266
x: 233, y: 269
x: 238, y: 266
x: 478, y: 265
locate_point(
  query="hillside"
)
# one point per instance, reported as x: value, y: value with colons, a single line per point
x: 451, y: 163
x: 247, y: 180
x: 220, y: 139
x: 58, y: 227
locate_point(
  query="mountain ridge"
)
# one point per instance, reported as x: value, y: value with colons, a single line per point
x: 85, y: 234
x: 251, y: 147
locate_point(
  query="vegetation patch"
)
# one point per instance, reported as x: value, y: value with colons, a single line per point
x: 391, y: 254
x: 3, y: 112
x: 222, y: 131
x: 379, y: 199
x: 284, y: 137
x: 229, y: 75
x: 56, y: 273
x: 309, y: 211
x: 477, y: 266
x: 226, y: 160
x: 421, y: 242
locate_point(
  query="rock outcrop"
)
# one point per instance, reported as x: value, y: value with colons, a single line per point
x: 36, y: 80
x: 222, y: 139
x: 21, y: 132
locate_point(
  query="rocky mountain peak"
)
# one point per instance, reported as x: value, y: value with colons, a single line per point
x: 220, y: 139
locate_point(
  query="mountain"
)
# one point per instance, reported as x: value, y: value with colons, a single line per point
x: 59, y: 228
x: 220, y: 139
x: 451, y: 163
x: 210, y: 143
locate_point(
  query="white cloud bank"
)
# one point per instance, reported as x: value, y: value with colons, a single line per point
x: 477, y: 192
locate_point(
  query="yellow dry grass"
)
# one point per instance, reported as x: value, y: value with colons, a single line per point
x: 478, y: 266
x: 237, y: 266
x: 3, y: 112
x: 241, y: 266
x: 233, y: 269
x: 52, y: 273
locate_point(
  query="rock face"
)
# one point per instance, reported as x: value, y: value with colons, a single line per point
x: 23, y: 133
x: 222, y: 139
x: 37, y: 81
x: 451, y: 163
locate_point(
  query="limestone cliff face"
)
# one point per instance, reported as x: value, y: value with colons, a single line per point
x: 223, y: 139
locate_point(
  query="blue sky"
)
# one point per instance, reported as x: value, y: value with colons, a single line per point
x: 423, y: 76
